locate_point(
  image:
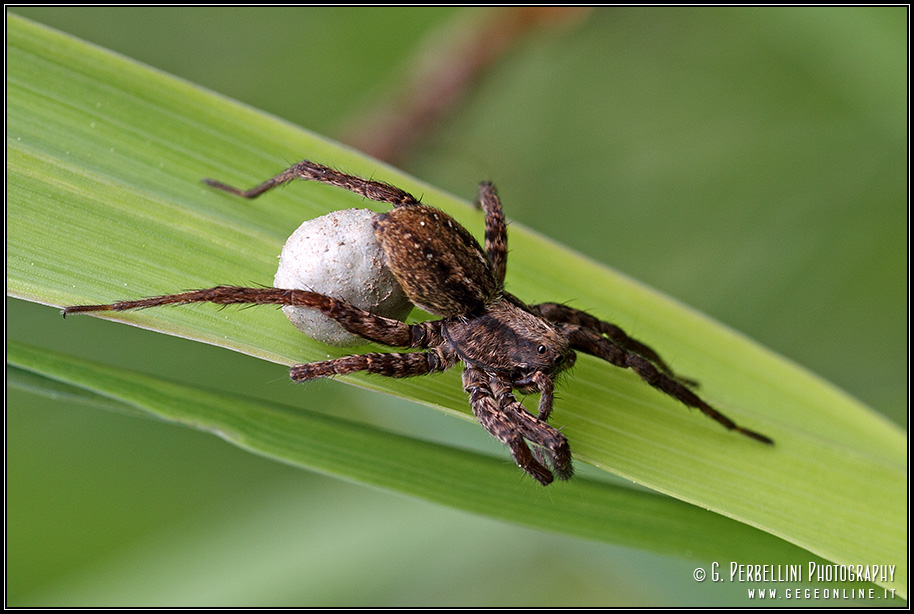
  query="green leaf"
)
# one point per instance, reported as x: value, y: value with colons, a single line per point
x: 104, y: 159
x: 368, y: 455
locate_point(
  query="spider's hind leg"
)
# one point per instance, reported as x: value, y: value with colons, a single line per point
x: 358, y: 321
x: 312, y: 171
x: 363, y: 323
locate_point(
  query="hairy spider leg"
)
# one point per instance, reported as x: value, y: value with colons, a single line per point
x: 387, y: 364
x: 546, y: 387
x: 543, y: 384
x: 590, y: 341
x: 563, y: 314
x: 363, y: 323
x: 312, y: 171
x: 496, y: 242
x: 548, y: 440
x: 501, y: 424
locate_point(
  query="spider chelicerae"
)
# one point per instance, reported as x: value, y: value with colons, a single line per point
x: 504, y: 343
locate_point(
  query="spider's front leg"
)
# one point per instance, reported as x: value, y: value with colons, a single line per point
x: 542, y: 383
x: 546, y: 439
x: 590, y: 341
x: 501, y: 424
x: 563, y: 314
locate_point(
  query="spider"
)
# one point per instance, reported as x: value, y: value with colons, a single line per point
x: 504, y: 343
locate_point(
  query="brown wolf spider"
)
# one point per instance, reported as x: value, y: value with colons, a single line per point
x: 504, y: 343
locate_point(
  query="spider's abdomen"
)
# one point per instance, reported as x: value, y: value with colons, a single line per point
x: 438, y: 263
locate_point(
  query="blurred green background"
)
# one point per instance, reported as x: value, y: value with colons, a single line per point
x: 750, y: 162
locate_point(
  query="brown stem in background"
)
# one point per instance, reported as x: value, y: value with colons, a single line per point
x: 443, y: 72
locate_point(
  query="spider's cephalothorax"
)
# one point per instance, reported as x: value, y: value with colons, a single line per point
x: 504, y: 343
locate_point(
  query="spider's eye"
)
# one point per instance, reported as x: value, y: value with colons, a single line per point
x: 541, y: 349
